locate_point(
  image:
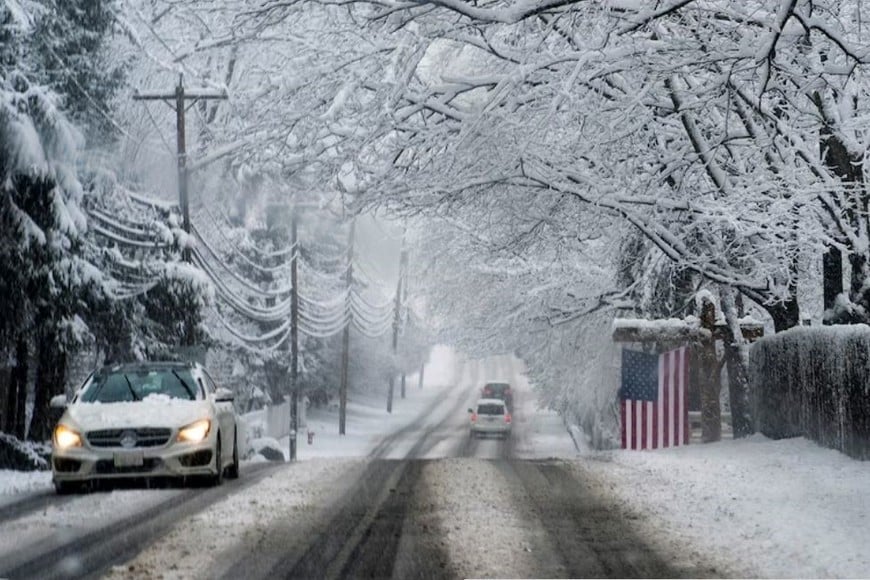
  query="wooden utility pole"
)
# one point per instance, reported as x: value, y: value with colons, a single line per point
x: 294, y: 336
x: 397, y: 321
x: 345, y: 339
x: 180, y: 96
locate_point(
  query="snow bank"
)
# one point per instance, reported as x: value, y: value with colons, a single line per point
x: 758, y: 508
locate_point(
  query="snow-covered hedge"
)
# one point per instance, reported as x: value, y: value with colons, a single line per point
x: 815, y: 382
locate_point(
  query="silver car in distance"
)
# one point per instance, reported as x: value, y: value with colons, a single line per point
x: 490, y: 417
x: 144, y: 420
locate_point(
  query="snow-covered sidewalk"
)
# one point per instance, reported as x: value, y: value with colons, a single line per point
x: 758, y: 508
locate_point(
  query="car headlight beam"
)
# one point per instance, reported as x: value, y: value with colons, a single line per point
x: 64, y: 437
x: 195, y: 432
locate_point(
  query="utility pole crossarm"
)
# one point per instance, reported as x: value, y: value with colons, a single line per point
x: 188, y: 94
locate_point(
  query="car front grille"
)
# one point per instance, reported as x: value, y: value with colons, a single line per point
x: 144, y: 437
x: 107, y: 467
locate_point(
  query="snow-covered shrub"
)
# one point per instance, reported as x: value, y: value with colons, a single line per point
x: 22, y: 456
x: 815, y: 382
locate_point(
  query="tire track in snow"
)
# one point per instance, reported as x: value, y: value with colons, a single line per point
x: 593, y: 537
x: 92, y: 553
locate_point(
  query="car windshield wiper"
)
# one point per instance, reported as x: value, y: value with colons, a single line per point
x: 185, y: 385
x: 130, y: 386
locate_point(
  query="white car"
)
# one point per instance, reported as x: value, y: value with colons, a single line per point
x: 139, y: 420
x: 490, y: 416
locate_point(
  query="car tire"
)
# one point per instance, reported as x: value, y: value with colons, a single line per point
x: 233, y: 470
x: 68, y: 487
x: 218, y: 478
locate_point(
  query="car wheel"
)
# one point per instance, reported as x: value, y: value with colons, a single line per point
x: 218, y: 477
x: 233, y: 470
x: 68, y: 487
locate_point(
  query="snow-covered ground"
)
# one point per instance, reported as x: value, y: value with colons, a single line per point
x: 763, y: 508
x: 751, y: 507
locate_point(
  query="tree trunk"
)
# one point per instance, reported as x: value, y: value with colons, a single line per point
x: 738, y: 391
x: 738, y: 371
x: 859, y: 294
x: 50, y: 381
x: 832, y: 278
x: 18, y: 390
x: 711, y: 385
x: 785, y: 315
x: 5, y: 389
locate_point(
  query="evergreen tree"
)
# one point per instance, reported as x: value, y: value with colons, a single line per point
x: 70, y: 54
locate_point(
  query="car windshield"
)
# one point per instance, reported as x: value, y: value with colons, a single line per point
x: 490, y: 409
x: 136, y: 384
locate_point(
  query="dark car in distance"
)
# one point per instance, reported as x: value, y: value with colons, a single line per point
x: 499, y: 391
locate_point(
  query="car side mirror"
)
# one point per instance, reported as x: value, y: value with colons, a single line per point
x: 223, y: 396
x: 471, y: 410
x: 58, y: 402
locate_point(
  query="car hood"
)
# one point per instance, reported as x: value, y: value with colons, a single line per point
x: 152, y: 412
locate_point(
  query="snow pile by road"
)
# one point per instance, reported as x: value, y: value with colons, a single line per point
x: 13, y: 483
x: 761, y: 508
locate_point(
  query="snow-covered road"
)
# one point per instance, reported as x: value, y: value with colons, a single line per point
x: 411, y: 495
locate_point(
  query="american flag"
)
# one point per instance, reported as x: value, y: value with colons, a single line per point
x: 653, y: 393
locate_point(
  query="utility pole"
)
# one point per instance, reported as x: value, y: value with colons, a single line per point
x: 397, y: 321
x: 422, y: 368
x: 403, y: 271
x: 180, y: 96
x: 345, y: 339
x: 294, y: 337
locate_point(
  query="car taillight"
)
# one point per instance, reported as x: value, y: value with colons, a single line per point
x: 474, y: 417
x: 507, y: 418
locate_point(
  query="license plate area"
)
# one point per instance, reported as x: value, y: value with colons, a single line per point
x: 129, y: 459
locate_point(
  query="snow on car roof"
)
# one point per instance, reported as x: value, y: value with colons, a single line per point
x: 150, y: 365
x: 490, y: 402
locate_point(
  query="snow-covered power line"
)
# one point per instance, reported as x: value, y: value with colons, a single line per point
x: 369, y: 333
x: 322, y: 332
x: 279, y: 332
x: 248, y: 284
x: 264, y: 253
x: 335, y: 302
x: 119, y: 239
x: 269, y: 269
x: 239, y: 304
x: 127, y: 228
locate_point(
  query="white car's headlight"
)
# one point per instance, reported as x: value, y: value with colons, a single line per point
x: 195, y: 432
x: 64, y: 437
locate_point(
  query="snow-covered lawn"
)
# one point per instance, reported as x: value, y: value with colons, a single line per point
x: 759, y: 507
